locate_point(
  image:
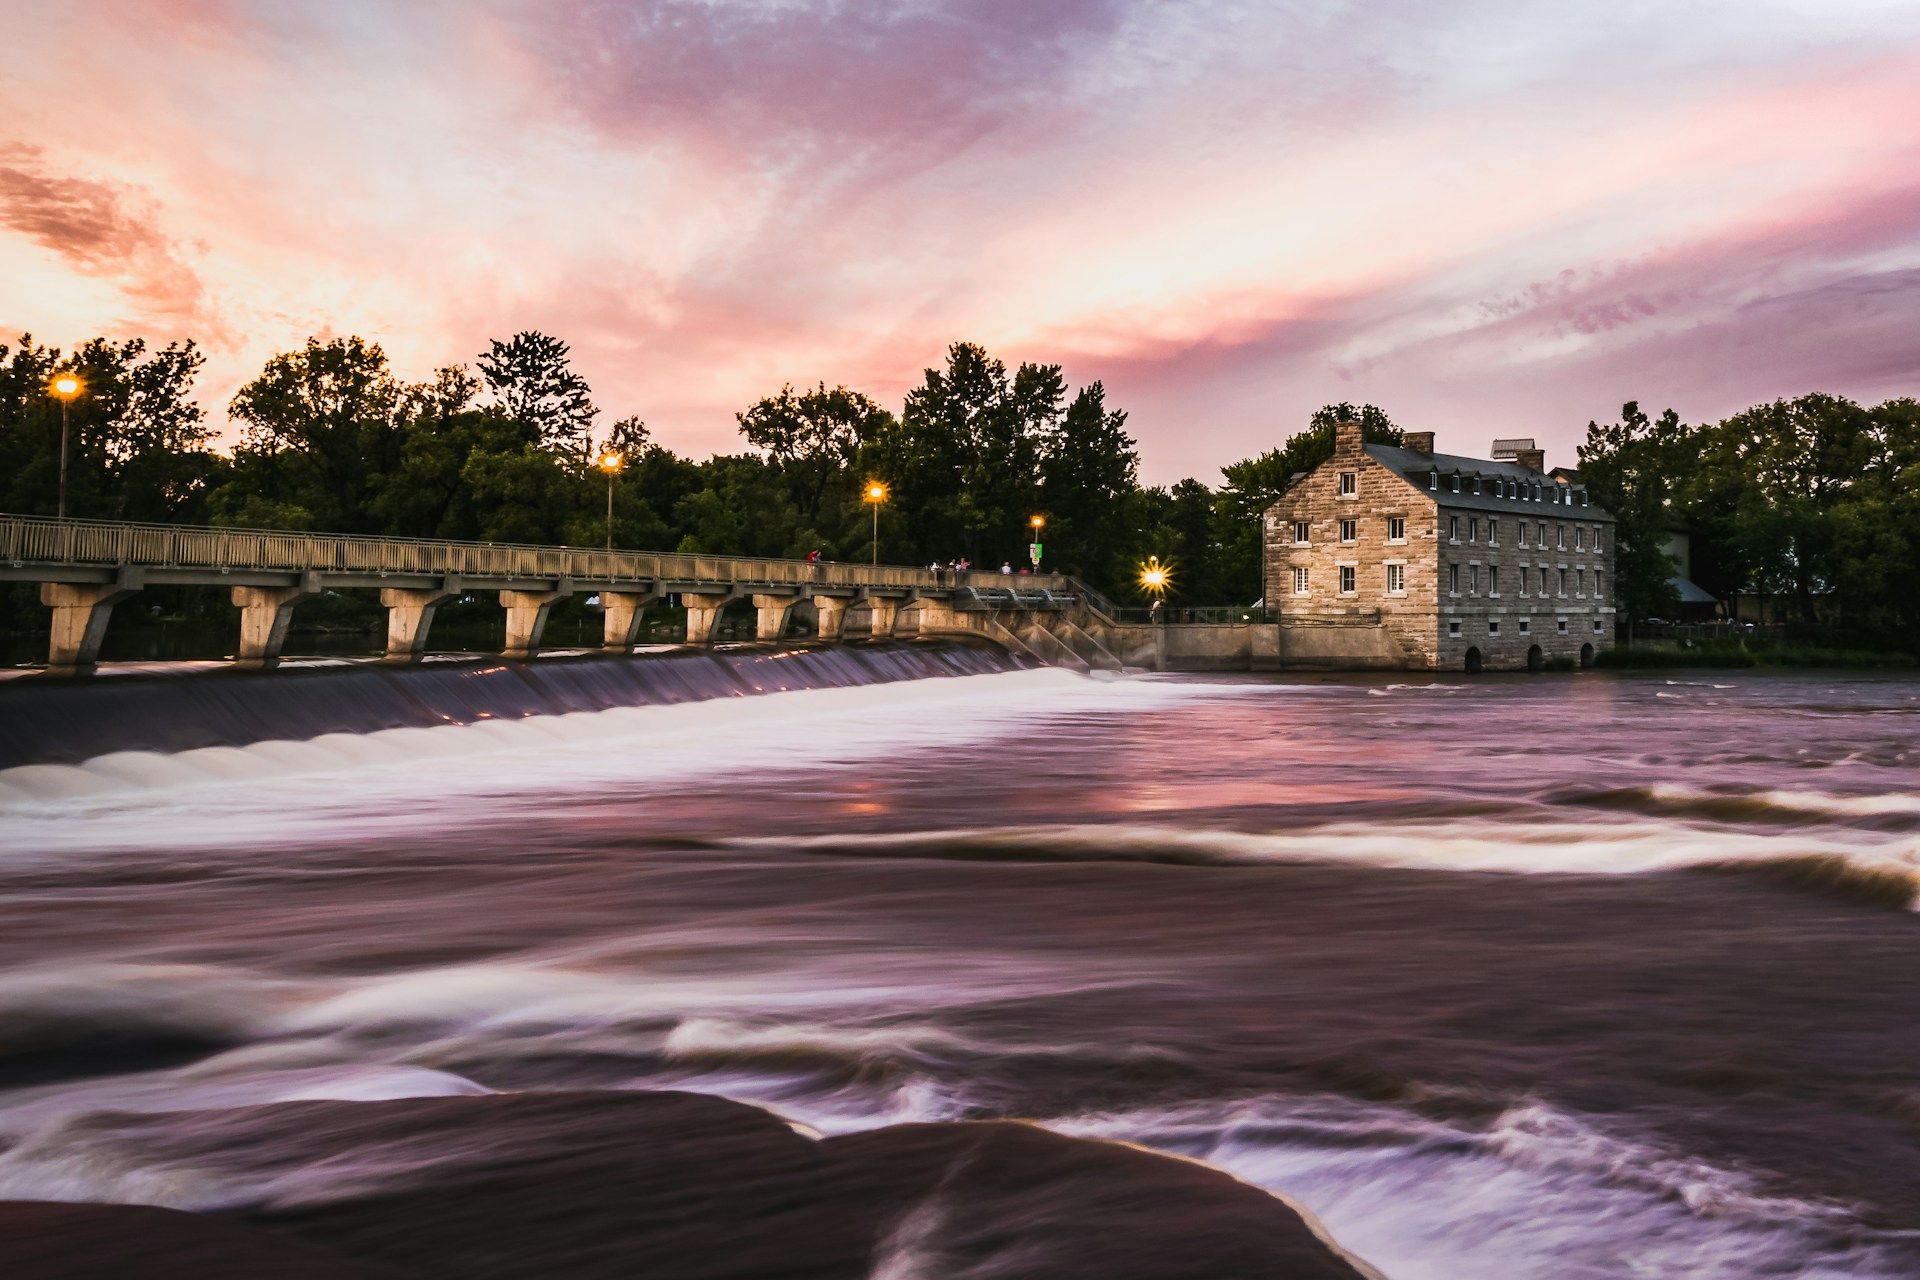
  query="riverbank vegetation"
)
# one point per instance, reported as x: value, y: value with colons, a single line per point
x: 1803, y: 513
x: 1809, y: 507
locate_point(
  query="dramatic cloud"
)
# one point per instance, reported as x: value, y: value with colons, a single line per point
x: 102, y: 229
x: 1492, y: 217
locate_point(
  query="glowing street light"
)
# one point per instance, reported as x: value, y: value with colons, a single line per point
x: 64, y: 389
x: 1155, y: 577
x: 610, y: 462
x: 1035, y: 523
x: 875, y: 495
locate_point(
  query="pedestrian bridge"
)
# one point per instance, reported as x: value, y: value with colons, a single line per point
x: 85, y: 567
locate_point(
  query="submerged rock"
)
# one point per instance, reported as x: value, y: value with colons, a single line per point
x: 687, y: 1186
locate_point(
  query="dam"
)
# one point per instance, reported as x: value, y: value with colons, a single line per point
x: 84, y: 568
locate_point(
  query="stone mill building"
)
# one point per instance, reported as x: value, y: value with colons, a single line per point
x: 1397, y: 556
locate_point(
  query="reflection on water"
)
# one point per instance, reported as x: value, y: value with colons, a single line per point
x: 1528, y: 977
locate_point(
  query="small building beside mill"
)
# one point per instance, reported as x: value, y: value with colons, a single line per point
x: 1395, y: 556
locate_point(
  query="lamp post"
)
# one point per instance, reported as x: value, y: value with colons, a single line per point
x: 1036, y: 523
x: 610, y: 462
x: 875, y: 495
x: 64, y: 389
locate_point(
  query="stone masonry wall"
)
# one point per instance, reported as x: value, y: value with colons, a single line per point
x: 1409, y: 618
x: 1503, y: 626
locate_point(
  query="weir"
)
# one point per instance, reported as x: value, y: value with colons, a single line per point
x: 85, y: 567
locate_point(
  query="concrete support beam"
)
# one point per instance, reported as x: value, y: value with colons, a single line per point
x: 623, y: 612
x: 410, y: 613
x: 527, y: 617
x: 80, y: 613
x: 265, y: 615
x: 831, y: 613
x: 703, y: 611
x: 883, y: 613
x: 774, y: 612
x: 936, y: 616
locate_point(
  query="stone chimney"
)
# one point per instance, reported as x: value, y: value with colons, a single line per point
x: 1347, y: 440
x: 1420, y: 442
x: 1531, y: 459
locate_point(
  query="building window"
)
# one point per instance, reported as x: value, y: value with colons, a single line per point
x: 1525, y: 625
x: 1560, y: 537
x: 1493, y: 579
x: 1543, y: 582
x: 1473, y: 528
x: 1493, y: 626
x: 1349, y: 529
x: 1396, y: 529
x: 1579, y: 537
x: 1580, y: 583
x: 1493, y: 533
x: 1563, y: 626
x: 1596, y: 626
x: 1346, y: 580
x: 1453, y: 528
x: 1453, y: 628
x: 1453, y: 483
x: 1396, y: 579
x: 1453, y: 579
x: 1523, y: 533
x: 1299, y: 579
x: 1433, y: 479
x: 1473, y: 579
x: 1302, y: 533
x: 1596, y: 584
x: 1349, y: 484
x: 1522, y: 573
x: 1476, y: 484
x: 1563, y: 583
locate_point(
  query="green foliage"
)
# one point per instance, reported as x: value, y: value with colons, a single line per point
x: 1631, y: 468
x: 534, y: 384
x: 1813, y: 503
x: 137, y: 445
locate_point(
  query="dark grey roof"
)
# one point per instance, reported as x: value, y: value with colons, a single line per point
x: 1688, y: 592
x: 1418, y: 468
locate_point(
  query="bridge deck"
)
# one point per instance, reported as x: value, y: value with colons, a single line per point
x: 37, y: 549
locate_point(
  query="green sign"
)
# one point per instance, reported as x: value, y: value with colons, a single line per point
x: 1033, y: 553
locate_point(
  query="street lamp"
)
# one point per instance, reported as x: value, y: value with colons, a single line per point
x: 1154, y: 576
x: 875, y: 495
x: 64, y: 389
x: 1036, y: 523
x: 610, y: 462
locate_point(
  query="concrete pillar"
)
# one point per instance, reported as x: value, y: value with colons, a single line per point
x: 409, y: 614
x: 884, y: 612
x: 527, y: 617
x: 265, y: 614
x: 773, y: 610
x: 936, y: 616
x: 703, y: 610
x: 80, y: 613
x: 831, y: 612
x: 623, y: 612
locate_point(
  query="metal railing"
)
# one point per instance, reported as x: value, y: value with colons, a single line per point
x: 40, y: 540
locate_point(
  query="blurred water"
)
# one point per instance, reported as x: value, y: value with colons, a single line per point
x: 1554, y: 977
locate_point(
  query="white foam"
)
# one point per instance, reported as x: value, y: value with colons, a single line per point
x: 1539, y: 1194
x: 342, y: 786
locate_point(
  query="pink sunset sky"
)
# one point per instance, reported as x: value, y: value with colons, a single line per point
x: 1490, y: 218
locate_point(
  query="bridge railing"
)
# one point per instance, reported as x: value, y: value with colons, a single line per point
x: 41, y: 540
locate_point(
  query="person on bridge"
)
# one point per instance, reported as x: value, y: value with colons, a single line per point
x: 1006, y: 567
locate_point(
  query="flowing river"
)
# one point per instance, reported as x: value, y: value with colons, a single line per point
x: 1555, y: 977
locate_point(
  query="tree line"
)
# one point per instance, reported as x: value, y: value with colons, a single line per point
x: 511, y: 449
x: 1812, y: 504
x: 1814, y: 501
